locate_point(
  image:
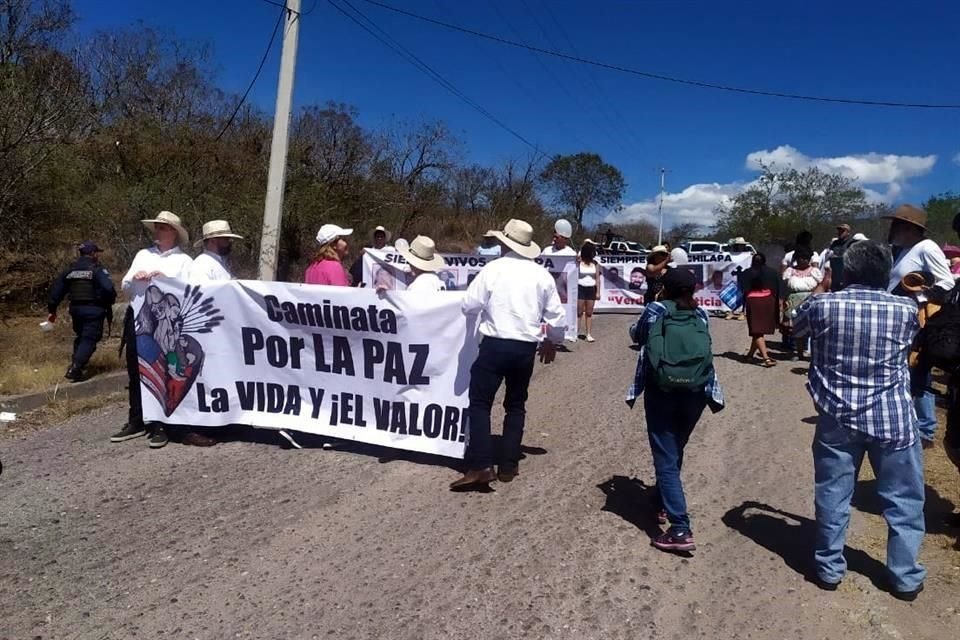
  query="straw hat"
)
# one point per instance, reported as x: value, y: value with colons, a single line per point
x: 380, y: 229
x: 490, y: 234
x: 216, y: 229
x: 909, y: 213
x: 739, y: 240
x: 171, y: 219
x: 518, y: 236
x: 659, y: 249
x: 422, y: 254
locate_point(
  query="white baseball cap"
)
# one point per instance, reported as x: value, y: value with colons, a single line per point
x: 330, y: 232
x: 563, y: 228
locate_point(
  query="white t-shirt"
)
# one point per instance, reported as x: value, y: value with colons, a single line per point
x: 172, y: 264
x: 426, y: 283
x: 550, y: 250
x: 788, y: 259
x: 209, y: 266
x: 925, y: 256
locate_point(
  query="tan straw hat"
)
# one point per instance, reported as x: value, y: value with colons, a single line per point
x: 518, y: 236
x: 909, y: 213
x: 422, y: 254
x: 171, y: 219
x: 380, y: 229
x: 216, y: 229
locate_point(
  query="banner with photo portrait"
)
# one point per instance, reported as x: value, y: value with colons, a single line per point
x: 623, y: 284
x: 388, y: 370
x: 388, y: 270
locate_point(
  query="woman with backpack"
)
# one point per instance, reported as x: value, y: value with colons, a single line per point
x: 676, y: 375
x: 588, y: 287
x: 761, y: 289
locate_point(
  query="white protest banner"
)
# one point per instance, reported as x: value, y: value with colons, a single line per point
x: 388, y: 270
x: 624, y: 280
x: 390, y: 370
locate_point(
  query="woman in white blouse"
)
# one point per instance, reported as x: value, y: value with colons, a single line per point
x: 588, y: 287
x: 801, y: 280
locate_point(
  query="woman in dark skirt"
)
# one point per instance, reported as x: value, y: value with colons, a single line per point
x: 761, y: 289
x: 588, y: 287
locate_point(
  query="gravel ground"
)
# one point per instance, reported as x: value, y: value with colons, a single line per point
x: 250, y: 539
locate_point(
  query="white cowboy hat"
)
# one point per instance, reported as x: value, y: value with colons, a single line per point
x: 490, y: 234
x: 659, y: 249
x: 382, y: 229
x: 739, y: 240
x: 518, y: 236
x: 216, y: 229
x: 422, y: 254
x: 171, y: 219
x: 330, y: 232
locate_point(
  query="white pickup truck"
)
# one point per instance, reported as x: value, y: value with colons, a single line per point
x: 624, y: 248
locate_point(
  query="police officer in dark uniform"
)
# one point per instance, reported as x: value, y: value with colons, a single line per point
x: 92, y: 295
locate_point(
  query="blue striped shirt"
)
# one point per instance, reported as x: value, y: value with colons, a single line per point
x: 858, y: 370
x: 639, y: 332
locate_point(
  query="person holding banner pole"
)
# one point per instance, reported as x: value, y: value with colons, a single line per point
x: 562, y: 232
x: 164, y: 259
x: 327, y: 266
x: 588, y: 286
x: 514, y: 297
x: 424, y: 262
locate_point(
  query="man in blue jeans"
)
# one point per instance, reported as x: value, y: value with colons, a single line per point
x: 514, y: 297
x: 860, y: 383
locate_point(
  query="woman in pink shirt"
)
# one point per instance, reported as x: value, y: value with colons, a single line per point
x: 327, y: 266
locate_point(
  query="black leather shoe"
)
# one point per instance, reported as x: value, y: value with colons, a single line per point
x: 474, y: 479
x: 907, y: 596
x: 506, y: 472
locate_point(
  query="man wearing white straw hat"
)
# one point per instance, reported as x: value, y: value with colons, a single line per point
x: 514, y: 297
x: 217, y: 242
x: 424, y: 262
x: 164, y: 258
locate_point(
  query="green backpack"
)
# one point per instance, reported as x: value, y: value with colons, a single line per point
x: 679, y: 350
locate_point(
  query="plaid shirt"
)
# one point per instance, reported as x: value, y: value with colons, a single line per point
x: 639, y: 332
x: 858, y: 371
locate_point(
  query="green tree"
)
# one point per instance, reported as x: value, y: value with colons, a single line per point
x: 583, y: 182
x: 782, y: 203
x: 941, y: 210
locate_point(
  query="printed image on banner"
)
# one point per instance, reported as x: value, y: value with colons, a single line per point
x: 332, y: 361
x: 625, y: 283
x: 388, y: 270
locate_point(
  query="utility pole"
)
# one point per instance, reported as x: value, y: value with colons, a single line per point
x: 663, y: 179
x: 276, y: 179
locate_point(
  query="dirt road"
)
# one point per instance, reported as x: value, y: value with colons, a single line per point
x: 253, y: 540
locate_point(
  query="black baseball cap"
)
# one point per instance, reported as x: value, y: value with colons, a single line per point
x: 89, y: 247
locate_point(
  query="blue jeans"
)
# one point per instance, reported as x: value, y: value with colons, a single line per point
x: 925, y: 405
x: 837, y: 455
x: 499, y: 361
x: 671, y: 417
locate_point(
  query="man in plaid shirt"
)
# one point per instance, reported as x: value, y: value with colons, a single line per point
x: 860, y: 383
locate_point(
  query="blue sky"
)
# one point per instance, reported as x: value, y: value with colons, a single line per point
x: 710, y: 141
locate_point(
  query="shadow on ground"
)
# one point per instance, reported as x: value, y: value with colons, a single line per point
x: 634, y: 501
x: 790, y: 536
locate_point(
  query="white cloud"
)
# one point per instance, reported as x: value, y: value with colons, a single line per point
x: 886, y: 175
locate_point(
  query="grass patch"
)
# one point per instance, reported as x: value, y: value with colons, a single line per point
x: 34, y: 360
x: 56, y: 412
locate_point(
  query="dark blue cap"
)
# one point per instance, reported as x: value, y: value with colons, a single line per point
x: 88, y: 247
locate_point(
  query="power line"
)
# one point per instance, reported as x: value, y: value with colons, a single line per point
x: 416, y: 61
x: 661, y: 77
x: 256, y: 76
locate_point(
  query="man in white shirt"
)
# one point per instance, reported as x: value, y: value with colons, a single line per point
x: 424, y: 263
x: 164, y: 258
x: 213, y: 263
x: 514, y: 297
x: 562, y: 232
x: 913, y: 252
